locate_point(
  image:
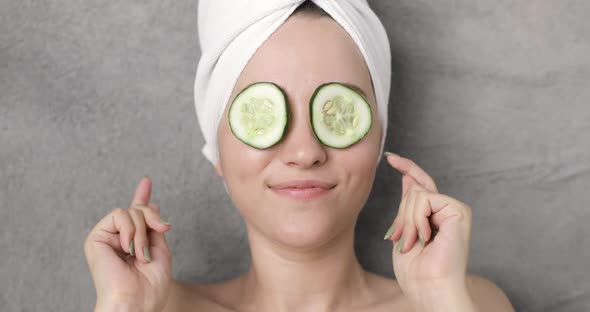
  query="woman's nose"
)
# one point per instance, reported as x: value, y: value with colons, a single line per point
x: 300, y: 147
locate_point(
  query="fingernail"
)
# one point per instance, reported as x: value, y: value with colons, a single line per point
x: 400, y: 245
x: 390, y: 153
x: 146, y: 253
x: 389, y: 232
x: 421, y: 238
x: 131, y: 248
x: 164, y: 221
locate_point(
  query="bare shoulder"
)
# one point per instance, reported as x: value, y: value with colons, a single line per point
x: 486, y: 295
x: 185, y: 296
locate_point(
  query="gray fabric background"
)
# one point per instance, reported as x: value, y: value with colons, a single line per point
x: 490, y: 97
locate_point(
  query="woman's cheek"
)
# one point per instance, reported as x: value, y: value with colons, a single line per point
x: 245, y: 170
x: 360, y: 174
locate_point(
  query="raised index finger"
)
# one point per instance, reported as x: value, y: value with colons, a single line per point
x: 408, y: 167
x: 142, y: 192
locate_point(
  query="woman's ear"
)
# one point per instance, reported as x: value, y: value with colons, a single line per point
x: 218, y: 169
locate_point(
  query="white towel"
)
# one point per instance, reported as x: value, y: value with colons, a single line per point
x: 230, y: 31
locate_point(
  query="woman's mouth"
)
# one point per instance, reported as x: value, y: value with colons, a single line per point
x: 302, y: 189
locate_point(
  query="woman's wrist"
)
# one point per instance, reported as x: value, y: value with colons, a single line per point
x: 113, y: 307
x: 443, y: 297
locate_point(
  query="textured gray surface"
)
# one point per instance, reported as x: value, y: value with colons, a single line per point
x: 491, y: 98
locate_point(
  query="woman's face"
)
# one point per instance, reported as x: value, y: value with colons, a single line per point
x: 302, y: 54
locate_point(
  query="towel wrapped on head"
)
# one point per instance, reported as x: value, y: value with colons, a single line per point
x: 230, y: 32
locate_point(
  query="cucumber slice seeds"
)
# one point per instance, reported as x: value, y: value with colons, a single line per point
x: 340, y: 116
x: 258, y: 115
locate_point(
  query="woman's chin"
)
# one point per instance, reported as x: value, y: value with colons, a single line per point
x: 301, y: 225
x: 306, y: 234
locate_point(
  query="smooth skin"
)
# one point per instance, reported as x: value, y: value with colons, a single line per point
x: 141, y: 281
x: 302, y: 252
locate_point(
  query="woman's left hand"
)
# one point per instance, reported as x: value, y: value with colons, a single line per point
x: 431, y: 234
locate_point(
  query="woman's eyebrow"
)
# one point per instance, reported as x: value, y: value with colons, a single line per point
x: 356, y: 88
x: 350, y: 85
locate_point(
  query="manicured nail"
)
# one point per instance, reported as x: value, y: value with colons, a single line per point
x: 421, y: 238
x: 400, y: 245
x: 146, y: 253
x: 389, y: 232
x: 131, y: 248
x: 164, y: 221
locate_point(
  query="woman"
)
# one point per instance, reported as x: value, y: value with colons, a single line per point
x: 301, y: 239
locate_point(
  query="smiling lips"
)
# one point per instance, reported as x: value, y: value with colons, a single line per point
x: 302, y: 189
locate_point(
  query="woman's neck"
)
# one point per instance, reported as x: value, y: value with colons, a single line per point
x: 327, y: 278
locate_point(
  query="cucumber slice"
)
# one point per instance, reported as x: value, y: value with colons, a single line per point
x: 340, y: 116
x: 258, y: 115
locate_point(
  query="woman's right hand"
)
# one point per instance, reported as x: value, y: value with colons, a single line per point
x: 136, y: 279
